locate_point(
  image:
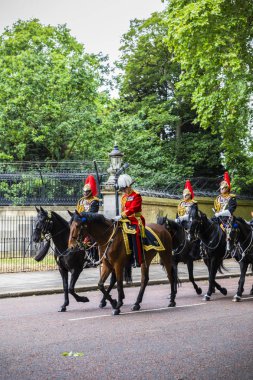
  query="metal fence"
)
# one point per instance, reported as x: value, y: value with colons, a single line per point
x: 17, y: 250
x: 46, y: 183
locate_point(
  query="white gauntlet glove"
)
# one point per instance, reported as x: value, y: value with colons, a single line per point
x: 117, y: 218
x: 223, y: 213
x: 184, y: 217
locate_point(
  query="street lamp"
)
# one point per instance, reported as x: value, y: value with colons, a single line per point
x: 116, y: 168
x: 115, y: 164
x: 116, y: 158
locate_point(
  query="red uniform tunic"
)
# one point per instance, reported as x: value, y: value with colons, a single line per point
x: 131, y: 207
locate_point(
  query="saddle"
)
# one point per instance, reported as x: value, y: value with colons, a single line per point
x: 137, y: 244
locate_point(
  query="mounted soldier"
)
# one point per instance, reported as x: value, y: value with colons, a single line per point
x: 89, y: 203
x: 131, y: 211
x: 186, y: 204
x: 225, y: 203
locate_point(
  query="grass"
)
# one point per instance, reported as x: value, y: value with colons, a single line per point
x: 26, y: 264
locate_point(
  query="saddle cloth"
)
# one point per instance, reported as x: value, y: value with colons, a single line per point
x: 150, y: 240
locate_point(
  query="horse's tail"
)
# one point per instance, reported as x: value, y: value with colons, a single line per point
x: 176, y: 279
x: 128, y: 273
x: 222, y: 267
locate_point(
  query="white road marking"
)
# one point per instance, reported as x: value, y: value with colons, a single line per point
x: 139, y: 311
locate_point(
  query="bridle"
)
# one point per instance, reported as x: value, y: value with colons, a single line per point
x: 238, y: 245
x: 174, y: 234
x: 45, y: 229
x: 78, y: 238
x: 219, y: 234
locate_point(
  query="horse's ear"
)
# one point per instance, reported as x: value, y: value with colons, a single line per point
x: 70, y: 213
x: 42, y: 209
x: 77, y: 213
x: 37, y: 209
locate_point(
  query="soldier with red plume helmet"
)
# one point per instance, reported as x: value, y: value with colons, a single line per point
x: 89, y: 202
x: 186, y: 203
x: 225, y: 203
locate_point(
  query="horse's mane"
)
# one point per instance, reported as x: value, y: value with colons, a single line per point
x: 94, y: 217
x: 60, y: 219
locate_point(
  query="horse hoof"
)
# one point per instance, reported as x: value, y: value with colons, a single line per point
x: 116, y: 312
x: 224, y: 291
x: 135, y: 307
x: 251, y: 292
x: 237, y: 298
x: 114, y: 304
x: 199, y: 291
x: 102, y: 304
x: 206, y: 298
x: 84, y: 299
x: 172, y: 304
x: 63, y: 309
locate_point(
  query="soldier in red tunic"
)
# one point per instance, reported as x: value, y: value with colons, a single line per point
x: 131, y: 207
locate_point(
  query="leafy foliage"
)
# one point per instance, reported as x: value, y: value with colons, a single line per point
x: 212, y: 41
x: 153, y: 118
x: 48, y: 93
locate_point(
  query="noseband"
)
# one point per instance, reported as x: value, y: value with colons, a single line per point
x: 45, y: 229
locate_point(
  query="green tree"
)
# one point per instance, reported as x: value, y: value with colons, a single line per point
x: 212, y: 41
x: 154, y: 118
x: 48, y: 93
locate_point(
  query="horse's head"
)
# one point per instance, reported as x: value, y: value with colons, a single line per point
x: 77, y: 229
x: 196, y: 219
x: 43, y: 225
x: 239, y: 232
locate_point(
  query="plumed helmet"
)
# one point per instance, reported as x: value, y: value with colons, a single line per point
x: 226, y: 181
x: 188, y: 188
x: 90, y: 187
x: 124, y: 180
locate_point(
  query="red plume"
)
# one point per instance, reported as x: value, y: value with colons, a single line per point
x: 226, y: 178
x: 93, y: 185
x: 189, y: 187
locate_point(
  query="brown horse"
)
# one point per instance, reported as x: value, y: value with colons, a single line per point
x: 108, y: 234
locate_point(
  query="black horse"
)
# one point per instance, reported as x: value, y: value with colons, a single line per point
x: 241, y: 241
x: 56, y: 228
x: 184, y: 251
x: 53, y: 226
x: 214, y: 243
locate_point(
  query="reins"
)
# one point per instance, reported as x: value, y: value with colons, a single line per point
x: 244, y: 252
x: 219, y: 238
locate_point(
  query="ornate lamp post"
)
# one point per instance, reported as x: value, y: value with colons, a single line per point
x: 116, y: 161
x: 110, y: 186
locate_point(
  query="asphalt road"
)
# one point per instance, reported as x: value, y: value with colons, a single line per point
x: 196, y: 340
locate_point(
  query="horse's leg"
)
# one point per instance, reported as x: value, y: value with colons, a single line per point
x: 216, y: 284
x: 111, y: 285
x: 251, y: 291
x: 243, y: 269
x: 213, y: 267
x: 191, y: 277
x: 121, y: 296
x: 74, y: 277
x: 105, y: 272
x: 64, y: 275
x: 144, y: 281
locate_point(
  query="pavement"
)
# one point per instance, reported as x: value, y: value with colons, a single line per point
x: 49, y: 282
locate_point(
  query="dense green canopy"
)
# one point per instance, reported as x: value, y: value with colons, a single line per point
x: 212, y: 41
x: 48, y: 93
x: 185, y: 94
